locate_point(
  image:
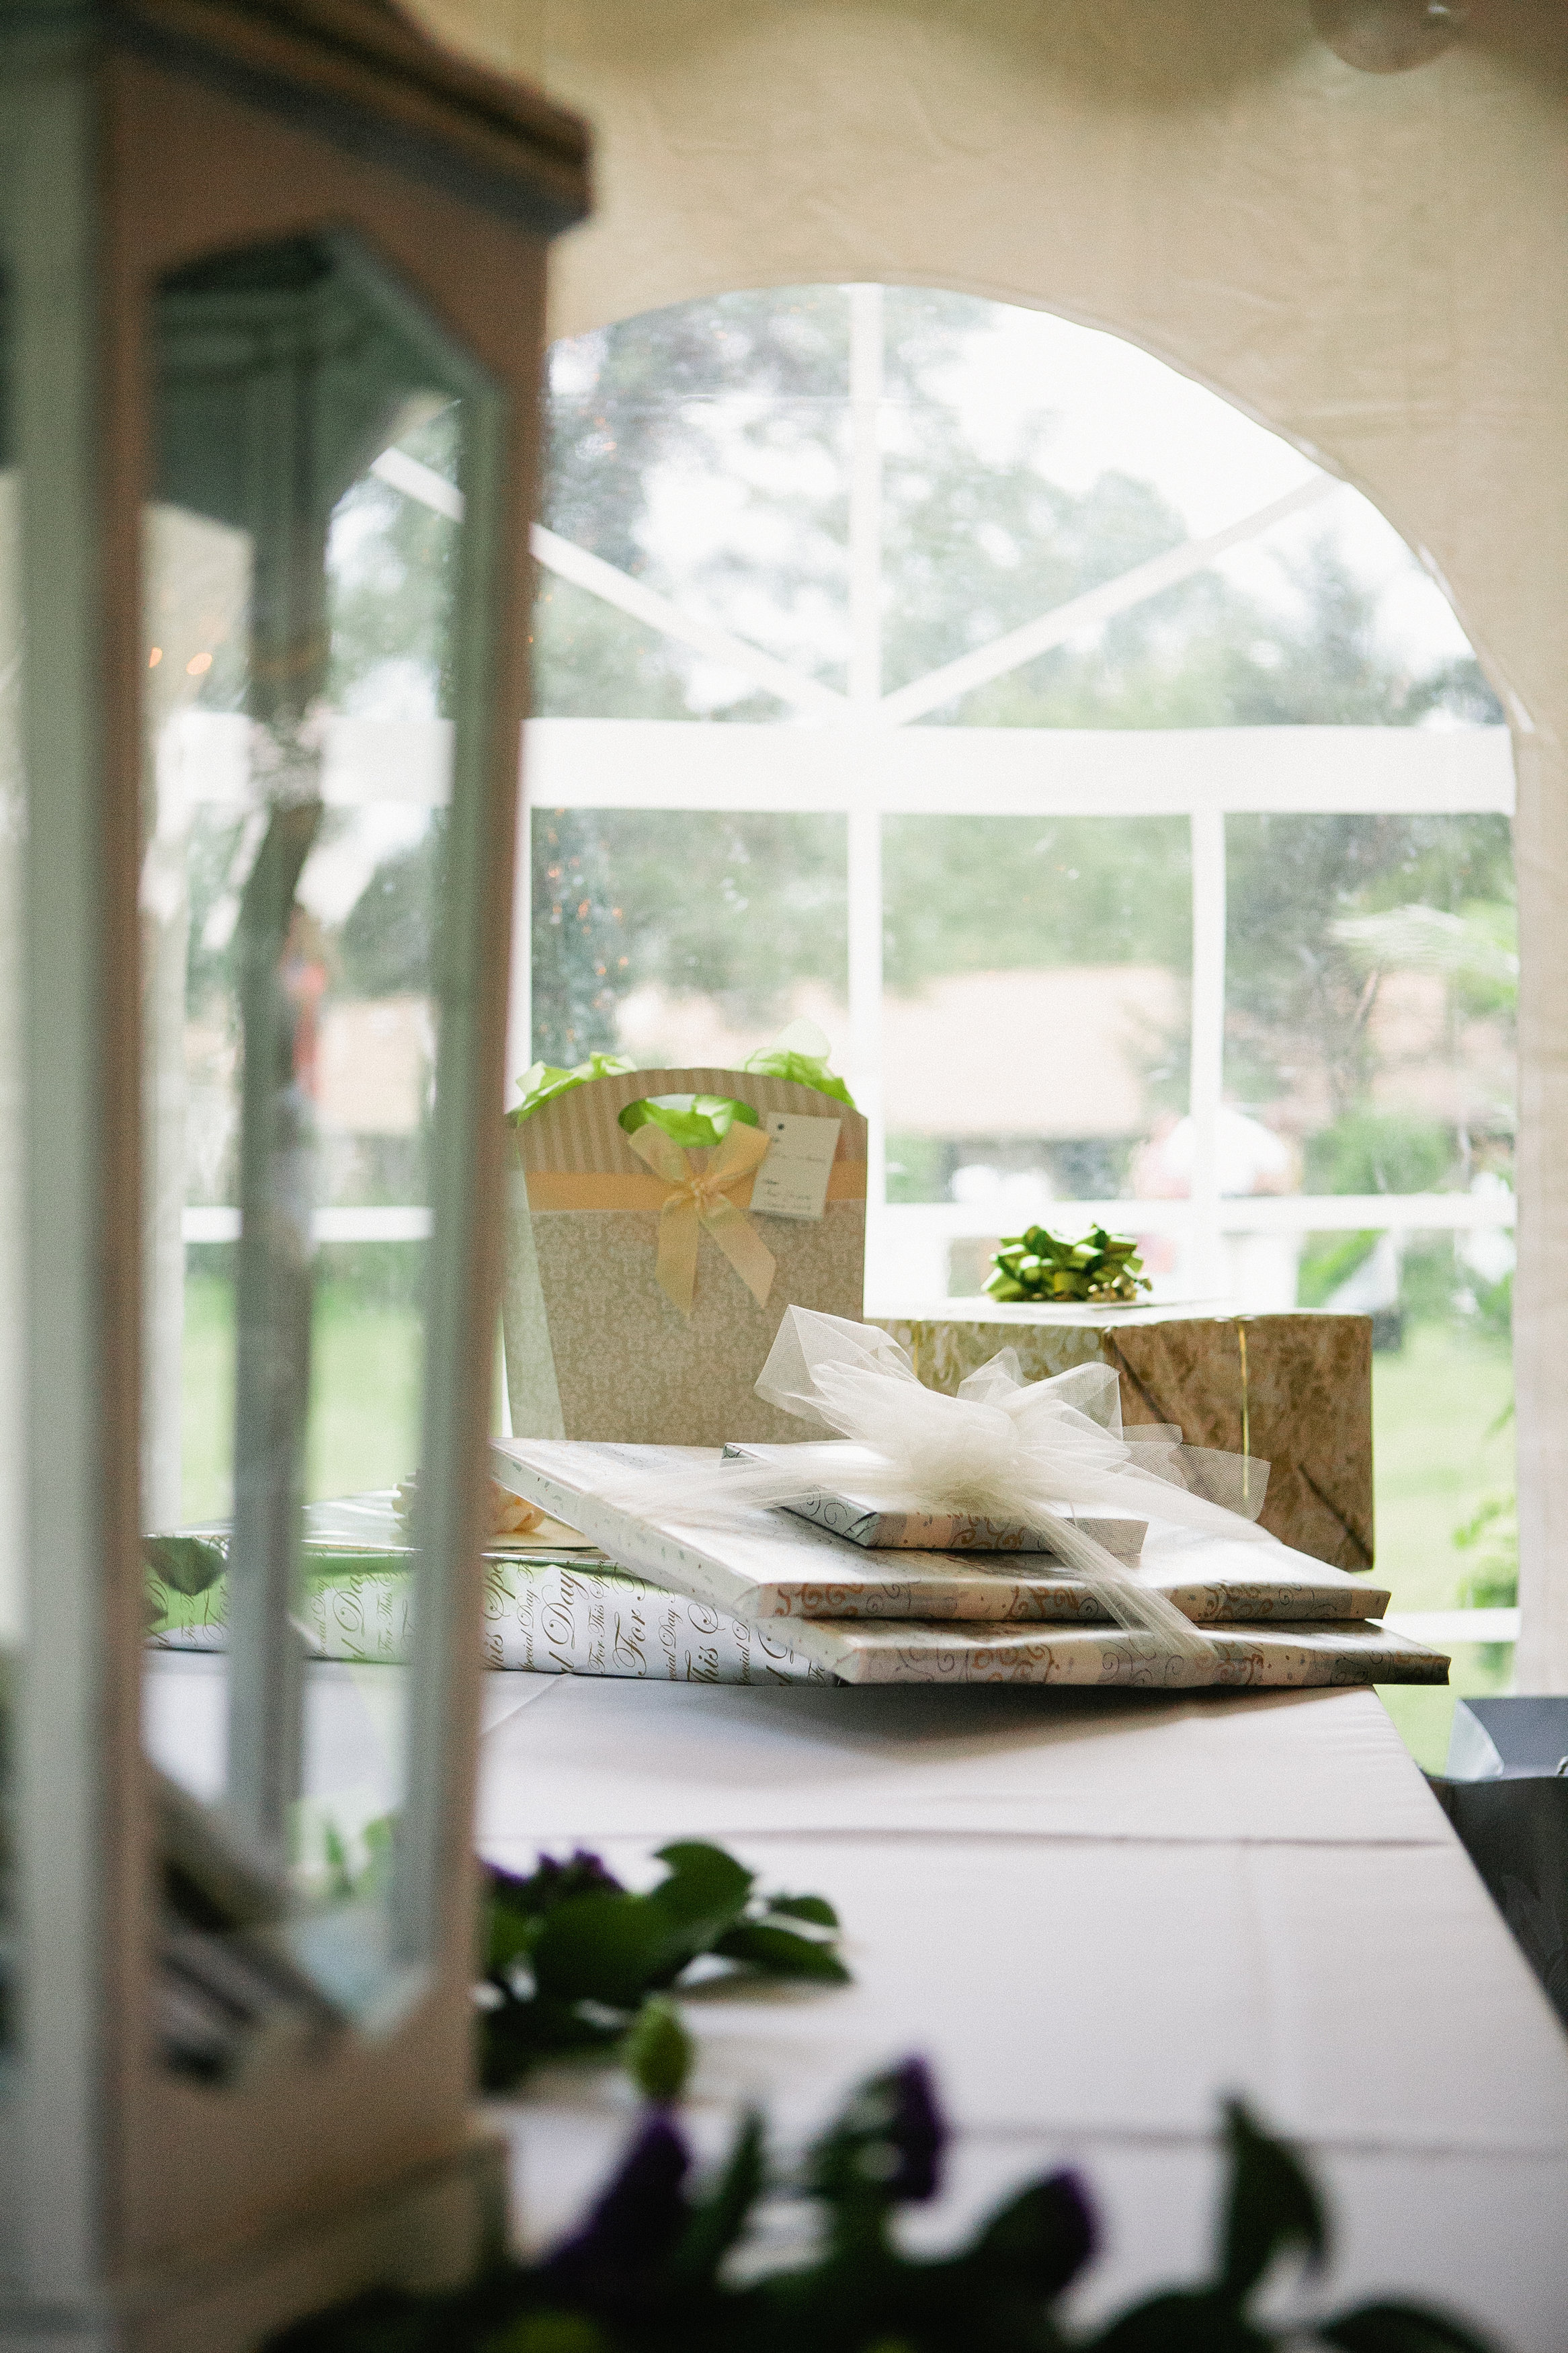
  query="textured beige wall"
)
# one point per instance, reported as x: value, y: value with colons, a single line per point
x: 1371, y: 265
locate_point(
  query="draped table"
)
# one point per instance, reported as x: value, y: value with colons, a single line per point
x: 1097, y: 1915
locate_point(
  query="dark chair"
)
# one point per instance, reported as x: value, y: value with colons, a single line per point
x: 1506, y: 1793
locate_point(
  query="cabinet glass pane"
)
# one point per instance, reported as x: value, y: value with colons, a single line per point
x: 299, y: 684
x: 12, y: 837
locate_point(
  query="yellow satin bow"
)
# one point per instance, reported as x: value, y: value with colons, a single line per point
x: 703, y: 1200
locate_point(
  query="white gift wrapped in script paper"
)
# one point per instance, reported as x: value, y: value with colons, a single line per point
x: 542, y: 1617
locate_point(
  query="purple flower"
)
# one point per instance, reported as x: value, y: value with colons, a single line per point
x: 552, y: 1882
x: 888, y: 2140
x: 1076, y: 2231
x: 613, y: 2263
x: 917, y: 2132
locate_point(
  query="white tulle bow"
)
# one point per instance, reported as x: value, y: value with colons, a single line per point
x: 1028, y: 1453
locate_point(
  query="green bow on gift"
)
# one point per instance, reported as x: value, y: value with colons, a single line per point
x: 1040, y: 1265
x: 542, y: 1082
x: 799, y: 1052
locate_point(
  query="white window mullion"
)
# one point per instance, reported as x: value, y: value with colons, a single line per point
x: 1208, y: 1071
x: 1092, y: 609
x: 865, y: 498
x: 864, y: 844
x: 865, y: 927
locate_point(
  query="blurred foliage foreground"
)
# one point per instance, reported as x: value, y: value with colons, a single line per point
x: 655, y: 2269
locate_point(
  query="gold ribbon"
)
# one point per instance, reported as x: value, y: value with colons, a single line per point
x: 597, y: 1188
x: 702, y: 1199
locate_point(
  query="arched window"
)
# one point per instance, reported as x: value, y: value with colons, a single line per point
x: 1112, y: 786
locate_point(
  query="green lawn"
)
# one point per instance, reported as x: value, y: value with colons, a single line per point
x: 364, y: 1386
x: 1438, y: 1453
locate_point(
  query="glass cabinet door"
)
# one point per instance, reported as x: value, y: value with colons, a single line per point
x: 304, y: 674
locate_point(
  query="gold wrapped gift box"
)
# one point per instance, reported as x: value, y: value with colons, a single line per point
x: 1294, y: 1391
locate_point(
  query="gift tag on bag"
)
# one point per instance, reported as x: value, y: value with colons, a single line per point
x: 793, y: 1180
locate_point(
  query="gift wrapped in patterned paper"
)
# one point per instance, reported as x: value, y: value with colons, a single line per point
x: 601, y: 1340
x: 1292, y: 1391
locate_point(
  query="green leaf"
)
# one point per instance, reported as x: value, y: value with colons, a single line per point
x: 1271, y: 2206
x: 381, y: 1854
x: 1187, y: 2320
x: 706, y: 1888
x: 1190, y: 2320
x: 189, y: 1565
x: 1039, y: 2241
x: 718, y: 2220
x: 1399, y: 2329
x: 548, y: 2332
x: 658, y: 2051
x: 586, y: 1940
x: 515, y: 2037
x: 782, y: 1953
x: 816, y: 1908
x: 513, y: 1938
x: 605, y: 1948
x: 337, y: 1860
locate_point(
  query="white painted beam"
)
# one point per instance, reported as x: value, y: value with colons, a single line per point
x: 923, y: 695
x: 569, y: 562
x: 1019, y: 770
x: 380, y: 1223
x: 613, y: 587
x: 421, y: 483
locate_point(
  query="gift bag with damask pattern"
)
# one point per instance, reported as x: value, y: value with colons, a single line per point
x: 646, y: 1277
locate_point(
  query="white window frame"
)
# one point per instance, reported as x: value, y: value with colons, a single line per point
x: 864, y: 755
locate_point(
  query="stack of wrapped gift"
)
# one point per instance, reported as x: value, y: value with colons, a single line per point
x: 834, y: 1588
x: 669, y: 1231
x: 676, y: 1238
x: 552, y: 1603
x: 778, y: 1597
x: 645, y: 1288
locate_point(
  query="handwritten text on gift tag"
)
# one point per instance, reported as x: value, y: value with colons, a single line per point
x: 793, y: 1180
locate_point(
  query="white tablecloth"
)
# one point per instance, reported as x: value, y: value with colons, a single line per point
x: 1096, y: 1919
